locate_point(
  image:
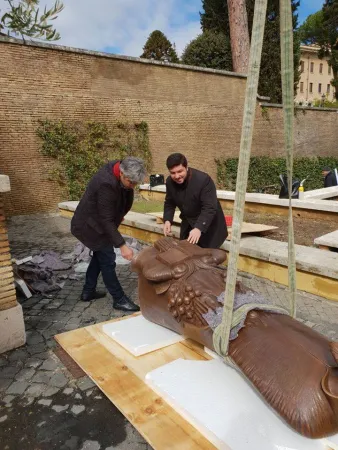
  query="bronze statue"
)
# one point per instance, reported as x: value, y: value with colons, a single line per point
x: 293, y: 367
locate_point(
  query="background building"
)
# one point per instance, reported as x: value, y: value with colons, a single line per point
x: 316, y: 76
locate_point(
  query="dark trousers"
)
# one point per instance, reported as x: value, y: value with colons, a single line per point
x: 103, y: 261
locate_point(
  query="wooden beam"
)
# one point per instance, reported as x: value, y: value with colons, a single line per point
x: 120, y: 376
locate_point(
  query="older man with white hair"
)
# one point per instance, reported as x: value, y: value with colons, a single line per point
x: 107, y: 199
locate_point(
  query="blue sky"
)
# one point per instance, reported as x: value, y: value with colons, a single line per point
x: 122, y: 26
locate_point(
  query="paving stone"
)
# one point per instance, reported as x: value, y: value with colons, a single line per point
x: 85, y: 383
x: 66, y: 308
x: 68, y: 391
x: 33, y: 362
x: 4, y: 383
x: 27, y: 401
x: 42, y: 377
x: 18, y: 355
x: 50, y: 364
x: 35, y: 338
x: 78, y: 396
x: 78, y: 409
x: 45, y: 402
x: 17, y: 388
x: 91, y: 445
x: 60, y: 408
x: 42, y: 355
x: 36, y: 389
x: 36, y: 349
x: 58, y: 380
x: 50, y: 391
x: 25, y: 375
x: 3, y: 362
x: 9, y: 372
x: 51, y: 343
x: 8, y: 400
x: 74, y: 321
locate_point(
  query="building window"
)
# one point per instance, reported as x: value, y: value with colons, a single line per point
x: 320, y: 88
x: 328, y: 88
x: 301, y: 87
x: 312, y: 66
x: 302, y: 66
x: 311, y: 88
x: 320, y: 68
x: 329, y: 71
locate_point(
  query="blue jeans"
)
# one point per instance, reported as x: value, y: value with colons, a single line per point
x: 103, y: 261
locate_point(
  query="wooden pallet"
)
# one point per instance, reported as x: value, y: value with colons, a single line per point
x: 120, y: 376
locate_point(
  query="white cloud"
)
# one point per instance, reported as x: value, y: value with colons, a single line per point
x: 124, y: 24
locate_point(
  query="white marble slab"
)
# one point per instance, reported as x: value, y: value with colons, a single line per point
x: 139, y: 336
x: 321, y: 194
x: 328, y: 240
x: 221, y: 404
x: 308, y: 259
x: 268, y: 199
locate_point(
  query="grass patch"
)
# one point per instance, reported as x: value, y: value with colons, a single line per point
x: 147, y: 206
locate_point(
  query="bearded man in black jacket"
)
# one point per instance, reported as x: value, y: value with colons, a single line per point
x: 194, y: 193
x: 108, y: 198
x: 330, y: 177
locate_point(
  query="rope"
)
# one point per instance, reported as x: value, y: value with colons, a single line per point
x: 288, y: 109
x: 222, y: 332
x: 231, y: 318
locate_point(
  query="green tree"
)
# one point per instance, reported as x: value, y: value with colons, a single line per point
x: 24, y: 19
x: 321, y: 28
x: 159, y: 47
x: 215, y: 17
x: 209, y: 49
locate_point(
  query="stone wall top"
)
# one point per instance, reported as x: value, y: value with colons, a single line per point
x: 81, y: 51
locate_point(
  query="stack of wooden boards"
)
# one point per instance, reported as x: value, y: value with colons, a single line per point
x: 7, y: 289
x: 247, y: 228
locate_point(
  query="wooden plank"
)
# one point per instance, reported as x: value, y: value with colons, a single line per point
x: 8, y: 304
x: 6, y: 288
x: 6, y: 269
x: 247, y: 227
x: 5, y: 249
x: 120, y: 376
x: 7, y: 294
x: 5, y: 260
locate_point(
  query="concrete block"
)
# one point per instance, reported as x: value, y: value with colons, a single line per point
x: 12, y: 329
x: 5, y: 185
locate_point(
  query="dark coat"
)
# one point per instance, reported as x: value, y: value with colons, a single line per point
x: 197, y: 200
x: 330, y: 179
x: 101, y: 210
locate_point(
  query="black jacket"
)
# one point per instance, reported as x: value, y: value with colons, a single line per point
x: 197, y: 200
x: 330, y: 179
x: 101, y: 210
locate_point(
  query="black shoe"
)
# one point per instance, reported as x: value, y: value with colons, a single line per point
x: 89, y: 296
x: 125, y: 304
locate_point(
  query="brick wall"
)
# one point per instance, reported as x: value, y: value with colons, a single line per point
x: 197, y: 112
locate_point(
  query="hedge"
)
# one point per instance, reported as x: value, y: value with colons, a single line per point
x: 264, y: 172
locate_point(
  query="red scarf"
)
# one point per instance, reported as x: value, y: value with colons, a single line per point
x: 116, y: 170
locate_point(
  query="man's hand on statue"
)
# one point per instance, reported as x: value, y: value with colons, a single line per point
x: 194, y: 236
x: 167, y: 228
x: 127, y: 252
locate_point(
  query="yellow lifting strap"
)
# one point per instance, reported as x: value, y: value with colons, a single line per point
x: 222, y: 332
